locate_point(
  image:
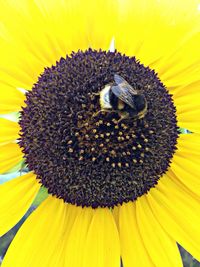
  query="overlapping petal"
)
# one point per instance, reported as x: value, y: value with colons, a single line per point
x: 16, y: 197
x: 11, y: 99
x: 9, y: 131
x: 188, y: 107
x: 133, y: 250
x: 161, y: 248
x: 177, y: 211
x: 41, y: 32
x: 93, y: 240
x: 41, y: 232
x: 186, y: 162
x: 10, y: 155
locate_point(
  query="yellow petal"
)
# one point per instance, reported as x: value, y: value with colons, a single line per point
x: 100, y: 30
x: 115, y: 213
x: 79, y: 232
x: 92, y: 227
x: 187, y: 105
x: 9, y: 131
x: 190, y: 90
x: 178, y: 212
x: 77, y: 237
x: 133, y: 250
x: 161, y: 247
x: 21, y: 69
x: 166, y: 40
x: 102, y: 247
x: 189, y: 175
x: 188, y: 147
x: 182, y: 67
x: 186, y: 161
x: 37, y: 241
x: 16, y: 197
x: 71, y: 214
x: 11, y: 99
x: 41, y: 39
x: 153, y: 31
x: 10, y: 155
x: 189, y: 120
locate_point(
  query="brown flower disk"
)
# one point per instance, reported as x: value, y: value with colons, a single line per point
x: 96, y: 161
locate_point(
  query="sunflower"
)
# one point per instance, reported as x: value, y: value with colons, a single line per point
x: 122, y: 179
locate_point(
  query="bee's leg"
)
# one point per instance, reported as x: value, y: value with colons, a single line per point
x: 97, y: 113
x: 94, y: 94
x: 103, y: 110
x: 123, y: 117
x: 141, y: 116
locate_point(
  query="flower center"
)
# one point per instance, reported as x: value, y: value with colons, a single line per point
x: 92, y: 158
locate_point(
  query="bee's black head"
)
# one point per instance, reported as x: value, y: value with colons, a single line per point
x: 140, y: 102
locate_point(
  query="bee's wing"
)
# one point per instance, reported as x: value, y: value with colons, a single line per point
x: 122, y: 92
x: 118, y: 79
x: 123, y: 83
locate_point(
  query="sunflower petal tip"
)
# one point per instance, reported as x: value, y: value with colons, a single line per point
x: 112, y: 45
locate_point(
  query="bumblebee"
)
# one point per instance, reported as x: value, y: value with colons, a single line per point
x: 122, y: 98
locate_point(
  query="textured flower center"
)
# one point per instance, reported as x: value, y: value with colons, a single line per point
x: 89, y: 158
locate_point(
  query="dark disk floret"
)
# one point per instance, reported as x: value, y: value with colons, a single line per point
x: 92, y: 160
